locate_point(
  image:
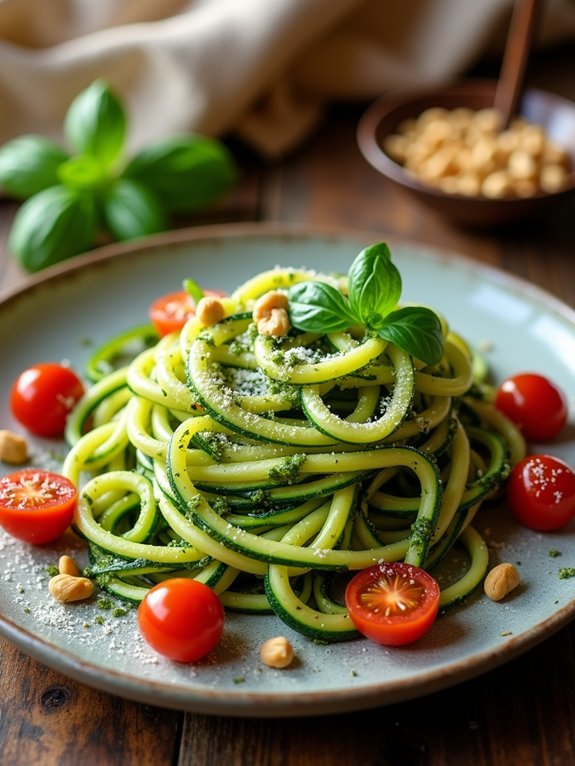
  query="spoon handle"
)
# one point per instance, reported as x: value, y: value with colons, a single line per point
x: 517, y: 47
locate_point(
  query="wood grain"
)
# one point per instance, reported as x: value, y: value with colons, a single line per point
x: 46, y: 718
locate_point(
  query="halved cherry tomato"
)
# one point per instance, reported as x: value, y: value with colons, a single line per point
x: 170, y: 312
x: 43, y: 396
x: 534, y: 403
x: 392, y: 604
x: 36, y: 506
x: 182, y: 619
x: 541, y: 492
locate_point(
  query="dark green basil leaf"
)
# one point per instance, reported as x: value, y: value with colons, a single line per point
x: 374, y: 284
x: 131, y: 210
x: 29, y: 164
x: 54, y: 224
x: 318, y: 307
x: 415, y: 329
x: 95, y: 123
x: 186, y: 173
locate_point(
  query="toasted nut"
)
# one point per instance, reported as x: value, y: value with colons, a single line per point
x: 396, y: 146
x: 552, y: 178
x: 67, y: 565
x: 487, y: 120
x: 274, y: 299
x: 500, y: 581
x: 465, y: 152
x: 276, y: 652
x: 496, y: 185
x: 433, y: 114
x: 275, y: 324
x: 522, y: 165
x: 65, y: 588
x: 13, y: 448
x: 468, y: 184
x: 209, y: 311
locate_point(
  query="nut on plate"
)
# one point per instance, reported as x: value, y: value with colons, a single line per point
x: 276, y: 652
x: 67, y: 565
x: 500, y: 581
x: 66, y: 588
x: 13, y: 448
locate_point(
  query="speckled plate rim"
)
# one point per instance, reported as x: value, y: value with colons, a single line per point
x: 262, y: 704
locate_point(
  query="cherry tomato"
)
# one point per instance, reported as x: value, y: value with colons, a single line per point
x: 541, y: 492
x: 534, y: 404
x: 36, y: 506
x: 170, y: 312
x: 182, y: 619
x: 43, y: 396
x: 392, y: 604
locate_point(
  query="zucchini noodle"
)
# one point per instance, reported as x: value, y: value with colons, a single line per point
x: 267, y: 467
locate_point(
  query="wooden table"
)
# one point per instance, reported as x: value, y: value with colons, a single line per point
x: 521, y: 714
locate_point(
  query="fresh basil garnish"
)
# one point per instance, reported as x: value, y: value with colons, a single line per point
x: 29, y: 164
x: 95, y: 123
x: 94, y: 190
x: 374, y: 284
x: 54, y: 224
x: 415, y: 329
x: 132, y: 210
x: 193, y: 290
x: 374, y: 287
x: 186, y: 173
x: 318, y: 307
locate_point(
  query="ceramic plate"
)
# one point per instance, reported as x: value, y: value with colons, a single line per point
x: 64, y: 314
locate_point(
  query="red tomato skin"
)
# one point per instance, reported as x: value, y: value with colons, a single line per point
x: 397, y: 629
x: 46, y: 521
x: 169, y: 313
x: 182, y: 619
x: 43, y: 396
x: 534, y: 403
x: 541, y: 493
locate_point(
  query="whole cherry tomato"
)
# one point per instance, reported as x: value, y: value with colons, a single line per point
x: 541, y: 492
x: 36, y: 506
x: 182, y: 619
x: 394, y: 603
x: 534, y: 403
x: 43, y: 396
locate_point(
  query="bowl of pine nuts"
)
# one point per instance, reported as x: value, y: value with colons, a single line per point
x: 448, y: 148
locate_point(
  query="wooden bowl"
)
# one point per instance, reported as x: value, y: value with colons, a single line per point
x: 554, y: 113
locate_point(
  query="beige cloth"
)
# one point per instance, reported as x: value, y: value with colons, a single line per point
x: 261, y: 69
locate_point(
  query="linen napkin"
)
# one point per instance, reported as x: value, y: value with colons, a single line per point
x: 261, y: 69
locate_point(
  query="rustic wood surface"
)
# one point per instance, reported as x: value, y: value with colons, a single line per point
x: 521, y: 714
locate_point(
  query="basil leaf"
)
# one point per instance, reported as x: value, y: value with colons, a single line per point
x: 29, y: 164
x: 415, y: 329
x: 81, y: 172
x: 186, y: 173
x: 95, y: 123
x: 54, y: 224
x: 131, y: 210
x: 193, y: 290
x: 318, y: 307
x: 374, y: 284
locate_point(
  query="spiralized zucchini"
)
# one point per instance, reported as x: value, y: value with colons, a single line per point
x: 267, y: 467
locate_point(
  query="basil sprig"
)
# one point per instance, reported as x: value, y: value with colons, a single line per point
x: 374, y: 288
x: 75, y: 197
